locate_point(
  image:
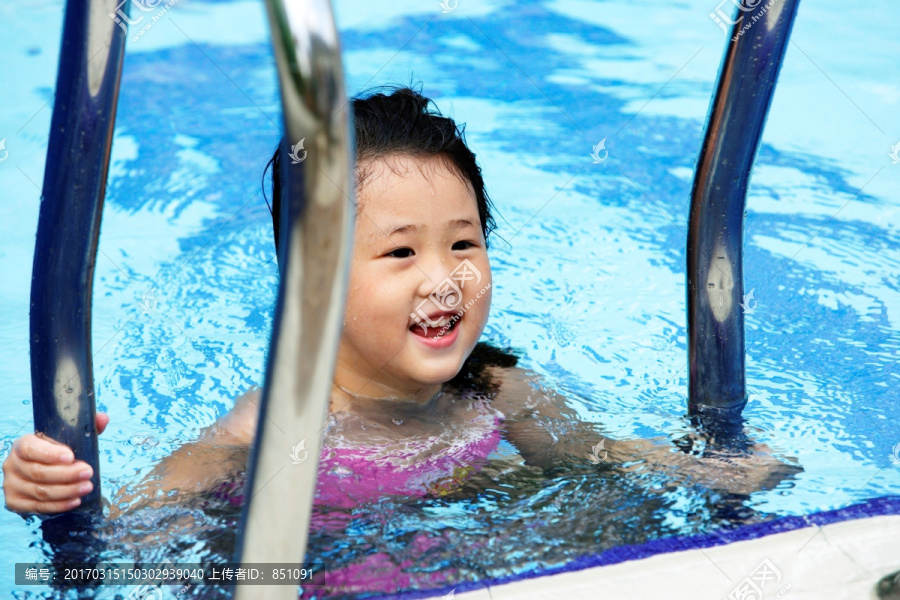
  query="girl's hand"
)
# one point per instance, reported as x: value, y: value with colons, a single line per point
x: 719, y: 468
x: 40, y: 475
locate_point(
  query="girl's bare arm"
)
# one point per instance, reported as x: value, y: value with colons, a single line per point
x: 220, y: 452
x: 543, y: 428
x: 547, y: 432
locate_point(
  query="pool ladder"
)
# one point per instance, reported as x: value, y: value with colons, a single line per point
x: 715, y: 275
x: 81, y: 130
x: 317, y: 215
x: 315, y: 235
x: 317, y: 220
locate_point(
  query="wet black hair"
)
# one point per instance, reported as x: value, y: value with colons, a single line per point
x: 402, y: 122
x: 474, y: 376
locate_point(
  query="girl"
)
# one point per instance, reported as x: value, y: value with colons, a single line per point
x: 417, y: 403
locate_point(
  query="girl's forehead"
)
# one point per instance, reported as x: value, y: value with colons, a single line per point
x: 414, y: 188
x: 405, y: 169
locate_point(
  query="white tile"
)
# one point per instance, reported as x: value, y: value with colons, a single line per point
x: 844, y: 561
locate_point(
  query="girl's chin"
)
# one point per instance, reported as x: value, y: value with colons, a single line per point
x: 433, y: 371
x: 424, y: 378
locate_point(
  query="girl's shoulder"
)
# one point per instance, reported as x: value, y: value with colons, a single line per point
x: 238, y: 425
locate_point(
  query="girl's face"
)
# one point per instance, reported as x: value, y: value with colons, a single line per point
x: 419, y: 258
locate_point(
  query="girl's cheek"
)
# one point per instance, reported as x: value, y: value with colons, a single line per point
x: 366, y: 305
x: 483, y: 301
x: 354, y: 309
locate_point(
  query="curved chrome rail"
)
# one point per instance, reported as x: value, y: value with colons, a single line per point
x: 81, y: 129
x: 744, y: 90
x: 317, y: 214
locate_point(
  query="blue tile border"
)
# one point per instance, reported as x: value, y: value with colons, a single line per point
x: 888, y: 505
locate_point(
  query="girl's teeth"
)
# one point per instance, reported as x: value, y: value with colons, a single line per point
x: 443, y: 326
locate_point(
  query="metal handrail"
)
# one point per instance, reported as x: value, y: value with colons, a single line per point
x: 715, y: 274
x: 81, y: 130
x: 317, y: 215
x: 317, y: 223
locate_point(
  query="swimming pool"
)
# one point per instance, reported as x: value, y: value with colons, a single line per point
x: 591, y: 289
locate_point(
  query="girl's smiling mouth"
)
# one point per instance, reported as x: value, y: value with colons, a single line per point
x: 442, y: 334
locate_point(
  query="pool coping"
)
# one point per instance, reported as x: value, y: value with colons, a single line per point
x: 887, y: 506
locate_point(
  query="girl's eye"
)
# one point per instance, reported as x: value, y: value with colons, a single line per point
x: 463, y: 245
x: 400, y: 253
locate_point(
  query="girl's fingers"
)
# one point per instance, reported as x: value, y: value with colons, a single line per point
x: 42, y: 474
x: 57, y: 493
x: 102, y: 421
x: 44, y: 450
x: 24, y: 496
x: 44, y: 508
x: 49, y: 508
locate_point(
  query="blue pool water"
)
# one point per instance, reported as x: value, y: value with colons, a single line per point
x: 590, y: 288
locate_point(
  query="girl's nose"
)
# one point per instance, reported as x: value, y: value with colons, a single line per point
x: 435, y: 273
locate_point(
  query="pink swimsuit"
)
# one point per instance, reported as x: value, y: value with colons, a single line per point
x: 354, y: 474
x: 351, y: 475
